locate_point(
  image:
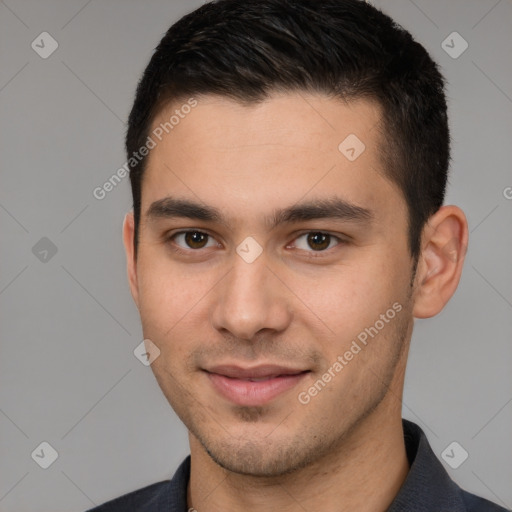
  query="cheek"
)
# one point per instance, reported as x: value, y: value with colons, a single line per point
x: 167, y: 314
x: 165, y: 295
x: 352, y: 296
x: 174, y: 301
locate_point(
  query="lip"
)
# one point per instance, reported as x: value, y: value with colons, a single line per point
x: 233, y: 383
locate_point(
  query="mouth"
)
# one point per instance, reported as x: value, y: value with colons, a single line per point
x: 254, y: 386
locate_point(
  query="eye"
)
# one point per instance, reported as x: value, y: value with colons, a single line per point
x: 318, y: 241
x: 193, y: 240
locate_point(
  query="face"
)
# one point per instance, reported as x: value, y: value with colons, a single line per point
x: 273, y: 274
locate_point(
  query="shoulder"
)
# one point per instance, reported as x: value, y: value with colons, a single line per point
x: 428, y: 486
x: 145, y: 499
x: 475, y: 503
x: 168, y: 495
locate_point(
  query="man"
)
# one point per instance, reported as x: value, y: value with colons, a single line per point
x: 288, y: 168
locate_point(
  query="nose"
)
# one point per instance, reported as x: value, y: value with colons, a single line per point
x: 250, y: 299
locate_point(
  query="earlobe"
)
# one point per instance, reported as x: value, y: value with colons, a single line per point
x: 444, y: 244
x: 131, y: 263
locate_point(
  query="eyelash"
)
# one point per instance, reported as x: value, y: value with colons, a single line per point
x: 311, y: 253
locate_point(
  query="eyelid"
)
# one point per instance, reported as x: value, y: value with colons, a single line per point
x: 170, y: 236
x: 340, y: 240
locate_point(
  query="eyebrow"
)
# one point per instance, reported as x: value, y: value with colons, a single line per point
x: 330, y: 208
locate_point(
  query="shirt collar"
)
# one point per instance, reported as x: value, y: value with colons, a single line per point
x: 427, y: 486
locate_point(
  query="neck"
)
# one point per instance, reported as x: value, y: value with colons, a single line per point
x: 364, y: 473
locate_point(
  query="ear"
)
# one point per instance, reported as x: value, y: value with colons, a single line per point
x: 131, y: 261
x: 444, y: 243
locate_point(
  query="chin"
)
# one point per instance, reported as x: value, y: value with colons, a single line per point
x: 257, y: 461
x: 269, y: 456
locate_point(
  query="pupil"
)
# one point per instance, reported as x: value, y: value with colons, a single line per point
x: 318, y: 241
x: 195, y: 239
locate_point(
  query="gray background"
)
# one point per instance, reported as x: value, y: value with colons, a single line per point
x: 68, y: 375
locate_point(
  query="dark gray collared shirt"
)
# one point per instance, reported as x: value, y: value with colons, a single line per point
x: 427, y: 488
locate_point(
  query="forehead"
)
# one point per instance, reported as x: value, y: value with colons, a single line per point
x: 279, y: 151
x: 304, y: 121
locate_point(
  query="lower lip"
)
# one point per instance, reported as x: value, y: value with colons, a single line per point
x: 249, y: 393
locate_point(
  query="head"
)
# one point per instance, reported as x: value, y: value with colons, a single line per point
x: 288, y: 213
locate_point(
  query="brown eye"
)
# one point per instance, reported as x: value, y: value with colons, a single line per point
x: 196, y: 239
x: 316, y: 242
x: 319, y: 241
x: 192, y: 240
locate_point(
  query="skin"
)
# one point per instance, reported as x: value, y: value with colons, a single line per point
x: 293, y: 305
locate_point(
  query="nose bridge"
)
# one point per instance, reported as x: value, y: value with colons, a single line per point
x: 250, y: 299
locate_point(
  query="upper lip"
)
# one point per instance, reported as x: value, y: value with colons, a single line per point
x: 255, y: 372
